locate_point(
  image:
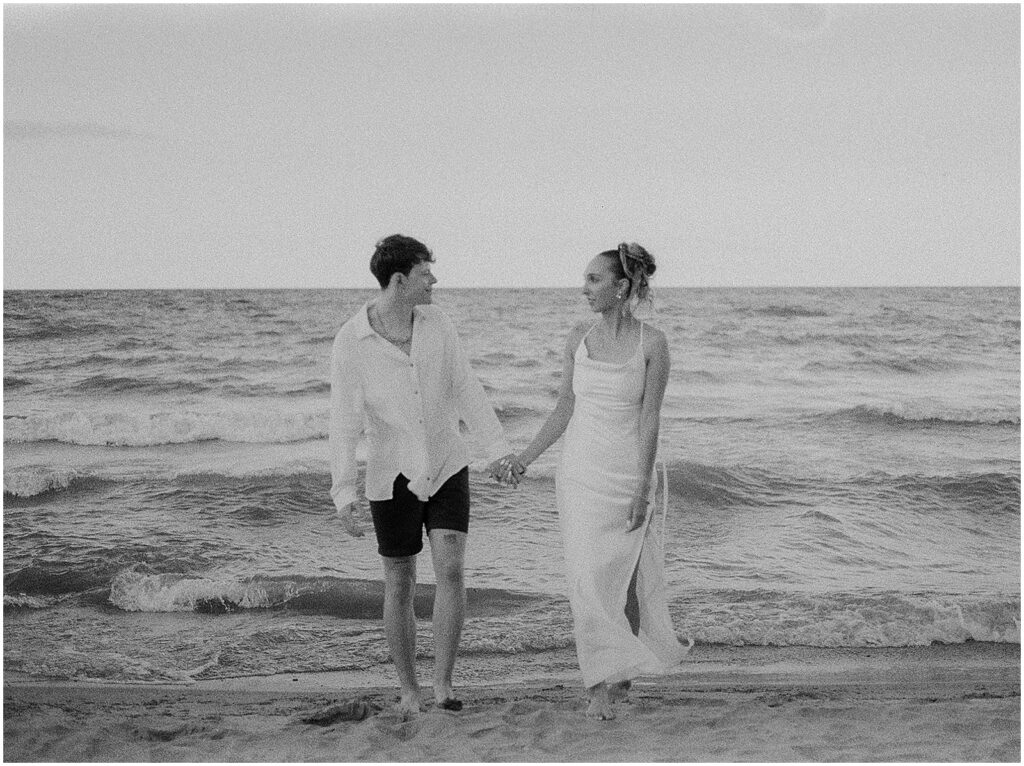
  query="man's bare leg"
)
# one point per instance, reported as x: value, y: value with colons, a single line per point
x: 448, y: 549
x: 600, y: 706
x: 619, y: 691
x: 400, y: 627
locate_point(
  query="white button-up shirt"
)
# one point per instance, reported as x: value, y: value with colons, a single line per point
x: 408, y: 408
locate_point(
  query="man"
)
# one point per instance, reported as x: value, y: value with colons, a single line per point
x: 399, y: 369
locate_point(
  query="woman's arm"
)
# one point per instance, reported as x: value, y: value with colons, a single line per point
x: 655, y: 382
x: 557, y: 421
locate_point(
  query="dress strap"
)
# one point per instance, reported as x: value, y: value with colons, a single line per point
x: 583, y: 340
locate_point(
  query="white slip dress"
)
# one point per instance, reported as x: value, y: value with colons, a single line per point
x: 597, y: 475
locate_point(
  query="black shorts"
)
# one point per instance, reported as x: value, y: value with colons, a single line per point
x: 399, y: 522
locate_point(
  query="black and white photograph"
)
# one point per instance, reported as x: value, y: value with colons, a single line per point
x: 513, y: 382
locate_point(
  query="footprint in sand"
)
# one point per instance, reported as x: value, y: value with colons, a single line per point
x: 349, y: 710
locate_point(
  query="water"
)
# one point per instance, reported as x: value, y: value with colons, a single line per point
x: 843, y: 465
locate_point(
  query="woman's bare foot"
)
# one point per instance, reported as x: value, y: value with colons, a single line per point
x: 409, y: 704
x: 600, y: 707
x: 619, y: 692
x: 444, y: 697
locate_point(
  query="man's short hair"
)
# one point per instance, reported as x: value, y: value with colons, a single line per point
x: 397, y: 254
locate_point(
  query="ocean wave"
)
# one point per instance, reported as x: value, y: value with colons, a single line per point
x: 134, y: 591
x: 234, y: 386
x: 847, y: 620
x: 786, y: 311
x: 896, y: 315
x: 985, y: 492
x: 913, y: 365
x: 505, y: 359
x: 30, y: 481
x: 695, y: 376
x: 820, y: 516
x: 247, y: 390
x: 517, y: 641
x: 141, y: 429
x: 12, y: 382
x: 57, y: 330
x: 719, y: 486
x: 717, y: 420
x: 37, y: 482
x: 132, y: 342
x: 50, y: 579
x: 904, y: 364
x: 730, y: 486
x: 310, y: 387
x: 854, y: 339
x: 105, y: 360
x: 117, y: 384
x: 22, y: 601
x: 915, y: 417
x: 506, y: 622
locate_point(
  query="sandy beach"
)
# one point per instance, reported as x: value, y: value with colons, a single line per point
x: 938, y: 703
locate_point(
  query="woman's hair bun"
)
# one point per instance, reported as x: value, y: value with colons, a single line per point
x: 638, y: 254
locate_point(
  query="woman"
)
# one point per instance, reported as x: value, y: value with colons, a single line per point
x: 614, y: 378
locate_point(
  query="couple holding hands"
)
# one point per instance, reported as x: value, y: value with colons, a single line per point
x: 400, y: 377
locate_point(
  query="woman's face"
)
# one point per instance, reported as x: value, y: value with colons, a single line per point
x: 600, y: 287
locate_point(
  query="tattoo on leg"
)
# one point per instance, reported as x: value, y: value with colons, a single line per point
x: 450, y: 537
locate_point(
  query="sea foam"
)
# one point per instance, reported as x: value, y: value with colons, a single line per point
x: 141, y: 429
x: 30, y: 481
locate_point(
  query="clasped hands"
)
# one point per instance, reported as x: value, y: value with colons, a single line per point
x: 507, y: 470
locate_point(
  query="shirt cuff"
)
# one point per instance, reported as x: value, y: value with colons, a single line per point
x: 343, y: 498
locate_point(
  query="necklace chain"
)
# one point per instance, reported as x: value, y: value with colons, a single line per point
x: 387, y: 335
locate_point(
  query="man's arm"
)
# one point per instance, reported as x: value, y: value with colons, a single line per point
x: 346, y: 427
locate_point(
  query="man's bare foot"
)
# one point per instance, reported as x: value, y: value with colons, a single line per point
x: 619, y: 692
x: 445, y: 698
x: 600, y: 707
x: 409, y: 704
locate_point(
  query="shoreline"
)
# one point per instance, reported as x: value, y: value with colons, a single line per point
x: 955, y: 702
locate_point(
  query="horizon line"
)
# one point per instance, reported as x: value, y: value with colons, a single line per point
x: 520, y: 287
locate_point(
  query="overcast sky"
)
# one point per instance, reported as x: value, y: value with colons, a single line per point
x: 272, y: 145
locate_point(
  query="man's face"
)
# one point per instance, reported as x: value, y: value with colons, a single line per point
x: 418, y: 285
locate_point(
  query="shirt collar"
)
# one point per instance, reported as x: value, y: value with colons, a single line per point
x: 362, y: 320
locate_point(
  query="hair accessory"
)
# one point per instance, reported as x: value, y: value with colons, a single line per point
x: 623, y: 255
x: 639, y: 286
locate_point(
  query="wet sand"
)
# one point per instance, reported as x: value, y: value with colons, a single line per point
x: 939, y: 703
